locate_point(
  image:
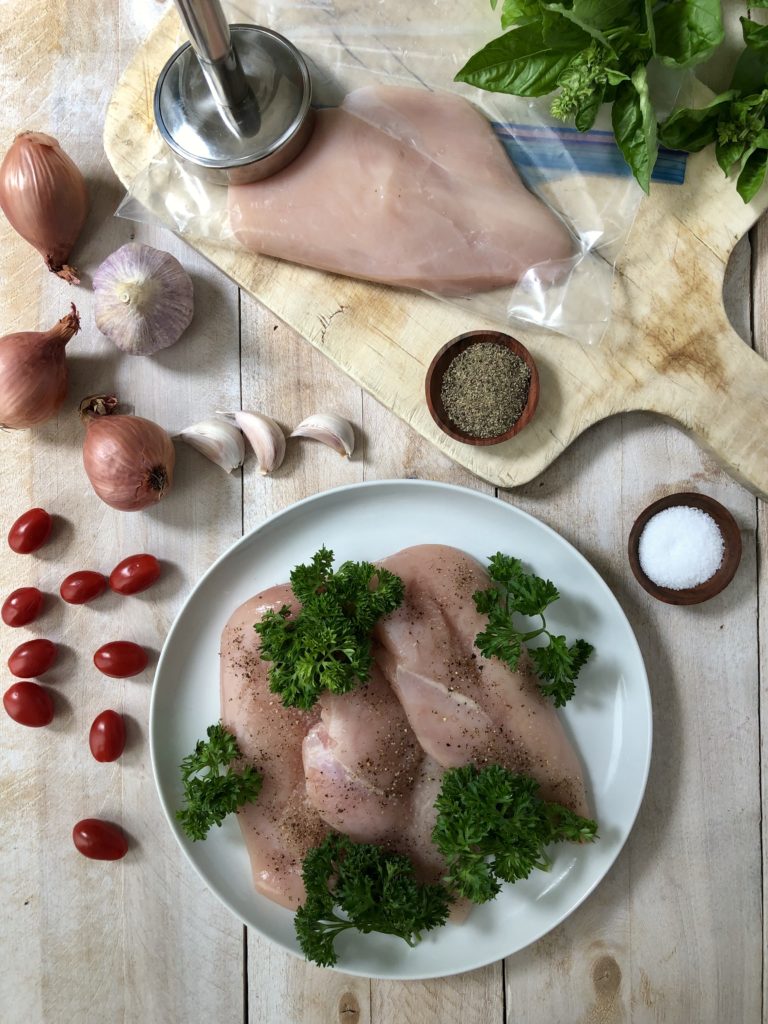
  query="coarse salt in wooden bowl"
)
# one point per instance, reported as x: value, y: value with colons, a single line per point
x: 729, y: 530
x: 441, y: 362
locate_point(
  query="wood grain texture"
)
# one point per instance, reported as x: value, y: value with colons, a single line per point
x: 657, y: 940
x: 288, y: 379
x: 760, y: 320
x: 673, y: 934
x: 141, y: 939
x: 669, y: 348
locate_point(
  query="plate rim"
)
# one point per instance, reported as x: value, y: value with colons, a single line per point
x: 411, y: 483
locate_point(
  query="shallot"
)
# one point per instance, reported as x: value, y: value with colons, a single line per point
x: 33, y: 373
x: 129, y: 460
x: 45, y: 198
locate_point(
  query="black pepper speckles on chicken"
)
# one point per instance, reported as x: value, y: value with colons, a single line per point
x: 372, y: 763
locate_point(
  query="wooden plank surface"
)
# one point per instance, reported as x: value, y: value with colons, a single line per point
x: 656, y: 353
x: 673, y: 934
x: 140, y: 940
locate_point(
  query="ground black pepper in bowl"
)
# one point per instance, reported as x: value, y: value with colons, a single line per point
x: 485, y: 389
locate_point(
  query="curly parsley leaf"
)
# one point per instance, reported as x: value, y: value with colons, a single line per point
x: 519, y: 592
x: 327, y: 644
x: 374, y: 890
x: 558, y: 664
x: 493, y: 827
x: 213, y: 789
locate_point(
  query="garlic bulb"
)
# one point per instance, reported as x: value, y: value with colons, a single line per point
x: 264, y: 436
x: 329, y: 428
x: 142, y: 299
x: 219, y: 440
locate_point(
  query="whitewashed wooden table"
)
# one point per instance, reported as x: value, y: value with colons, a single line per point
x: 674, y: 933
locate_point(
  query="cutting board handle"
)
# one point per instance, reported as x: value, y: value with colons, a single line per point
x: 727, y: 409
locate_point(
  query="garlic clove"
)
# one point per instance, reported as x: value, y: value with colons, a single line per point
x: 143, y: 299
x: 330, y: 429
x: 264, y: 435
x: 218, y: 440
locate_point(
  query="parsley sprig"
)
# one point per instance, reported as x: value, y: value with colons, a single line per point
x: 327, y: 645
x: 557, y: 664
x: 210, y: 795
x: 375, y: 891
x: 493, y: 827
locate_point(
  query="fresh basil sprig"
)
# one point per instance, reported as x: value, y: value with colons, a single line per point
x: 736, y: 121
x: 596, y: 51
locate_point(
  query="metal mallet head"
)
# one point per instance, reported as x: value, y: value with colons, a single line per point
x: 233, y: 104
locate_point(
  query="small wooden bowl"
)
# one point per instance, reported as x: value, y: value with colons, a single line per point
x: 731, y: 556
x: 441, y: 362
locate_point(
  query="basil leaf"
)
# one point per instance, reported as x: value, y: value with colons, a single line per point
x: 634, y: 125
x: 519, y: 62
x: 563, y: 34
x: 587, y: 113
x: 649, y: 26
x: 755, y: 36
x: 751, y: 72
x: 727, y: 153
x: 691, y: 130
x: 599, y: 16
x: 518, y: 12
x: 752, y: 174
x: 614, y: 76
x: 687, y: 31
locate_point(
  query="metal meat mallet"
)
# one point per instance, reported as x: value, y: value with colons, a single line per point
x: 234, y: 104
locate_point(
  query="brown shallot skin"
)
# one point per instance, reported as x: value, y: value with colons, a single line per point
x: 33, y: 373
x: 128, y: 459
x: 45, y: 198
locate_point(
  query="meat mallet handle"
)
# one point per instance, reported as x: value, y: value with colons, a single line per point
x: 209, y: 34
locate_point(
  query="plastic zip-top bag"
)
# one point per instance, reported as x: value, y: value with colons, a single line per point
x: 415, y: 181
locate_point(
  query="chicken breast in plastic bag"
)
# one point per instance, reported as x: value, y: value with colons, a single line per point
x: 406, y: 187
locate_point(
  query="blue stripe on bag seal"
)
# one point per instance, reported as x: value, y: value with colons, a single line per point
x: 541, y: 152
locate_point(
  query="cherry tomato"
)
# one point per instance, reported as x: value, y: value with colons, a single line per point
x: 99, y: 840
x: 82, y: 586
x: 134, y: 574
x: 32, y: 658
x: 22, y: 606
x: 120, y: 659
x: 28, y: 704
x: 107, y: 736
x: 30, y: 531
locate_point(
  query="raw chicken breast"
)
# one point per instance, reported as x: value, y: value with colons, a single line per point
x: 406, y: 187
x: 368, y: 777
x: 360, y: 762
x: 281, y: 826
x: 463, y: 707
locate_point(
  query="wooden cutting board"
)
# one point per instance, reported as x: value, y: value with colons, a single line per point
x: 669, y: 349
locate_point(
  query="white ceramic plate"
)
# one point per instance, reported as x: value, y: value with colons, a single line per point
x: 609, y: 719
